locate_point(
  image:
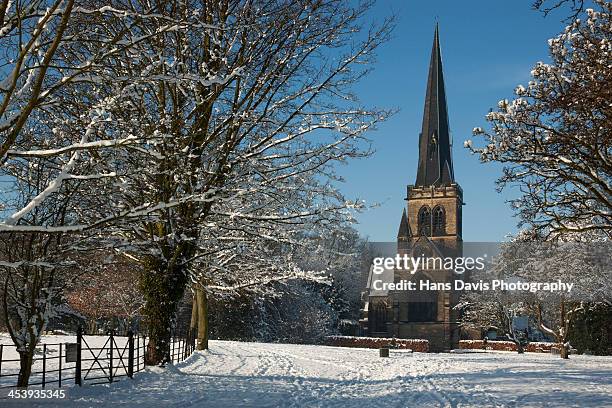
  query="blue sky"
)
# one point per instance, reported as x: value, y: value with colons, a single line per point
x: 488, y: 47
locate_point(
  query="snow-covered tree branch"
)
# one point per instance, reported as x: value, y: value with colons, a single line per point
x: 554, y: 138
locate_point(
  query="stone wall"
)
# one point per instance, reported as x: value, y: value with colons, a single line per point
x: 533, y: 347
x: 378, y: 342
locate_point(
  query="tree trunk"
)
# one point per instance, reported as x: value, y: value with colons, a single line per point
x: 202, y: 301
x: 92, y: 327
x: 163, y: 287
x: 563, y: 331
x: 564, y: 351
x: 193, y: 324
x: 25, y: 366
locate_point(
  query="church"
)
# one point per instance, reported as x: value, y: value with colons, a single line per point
x: 430, y: 226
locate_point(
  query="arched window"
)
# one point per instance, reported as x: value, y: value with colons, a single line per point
x: 425, y: 221
x: 439, y: 221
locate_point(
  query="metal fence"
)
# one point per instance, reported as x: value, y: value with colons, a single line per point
x: 81, y: 362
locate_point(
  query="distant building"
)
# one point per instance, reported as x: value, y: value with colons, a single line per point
x: 430, y: 226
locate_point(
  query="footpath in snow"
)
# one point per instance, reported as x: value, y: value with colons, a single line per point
x: 234, y: 374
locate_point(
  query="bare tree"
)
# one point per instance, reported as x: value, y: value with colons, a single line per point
x: 584, y: 264
x: 256, y: 244
x: 56, y: 109
x: 548, y: 6
x: 30, y: 289
x: 60, y: 150
x: 30, y: 35
x: 169, y: 114
x: 252, y: 99
x: 554, y: 138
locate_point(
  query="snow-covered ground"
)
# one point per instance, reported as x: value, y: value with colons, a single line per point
x: 9, y: 369
x: 234, y: 374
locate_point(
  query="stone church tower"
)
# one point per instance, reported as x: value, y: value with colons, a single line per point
x: 430, y: 226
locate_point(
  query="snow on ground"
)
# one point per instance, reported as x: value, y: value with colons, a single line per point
x: 52, y: 341
x: 234, y: 374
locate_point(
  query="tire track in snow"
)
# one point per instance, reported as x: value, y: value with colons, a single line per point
x: 419, y: 380
x: 448, y: 391
x: 354, y: 379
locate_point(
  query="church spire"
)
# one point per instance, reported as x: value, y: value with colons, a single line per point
x: 404, y: 228
x: 435, y: 162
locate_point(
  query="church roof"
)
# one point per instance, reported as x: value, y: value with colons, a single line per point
x: 435, y: 161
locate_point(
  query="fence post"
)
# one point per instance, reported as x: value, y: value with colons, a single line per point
x: 130, y: 372
x: 137, y: 353
x: 59, y: 379
x: 1, y: 349
x: 44, y: 364
x: 172, y: 339
x: 77, y: 367
x: 110, y: 377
